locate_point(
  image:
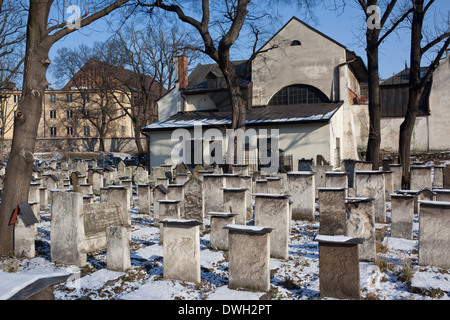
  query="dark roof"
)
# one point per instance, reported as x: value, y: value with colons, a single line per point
x: 395, y: 95
x: 255, y: 116
x: 401, y: 78
x: 198, y: 77
x: 92, y: 73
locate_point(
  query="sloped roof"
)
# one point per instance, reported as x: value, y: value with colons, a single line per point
x: 402, y: 78
x: 197, y: 78
x: 90, y: 75
x: 267, y: 115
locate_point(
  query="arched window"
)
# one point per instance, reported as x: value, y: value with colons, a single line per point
x: 298, y: 94
x: 296, y: 43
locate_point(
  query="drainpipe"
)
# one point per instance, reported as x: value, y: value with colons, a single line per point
x: 339, y: 78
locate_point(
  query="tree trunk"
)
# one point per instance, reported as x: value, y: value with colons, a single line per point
x: 415, y: 92
x: 374, y: 142
x: 26, y: 122
x: 137, y: 139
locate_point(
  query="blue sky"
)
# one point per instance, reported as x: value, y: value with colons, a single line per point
x: 344, y: 28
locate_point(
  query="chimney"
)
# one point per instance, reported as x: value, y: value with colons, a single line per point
x: 182, y: 72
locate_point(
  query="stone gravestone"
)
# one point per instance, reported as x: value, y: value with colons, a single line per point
x: 371, y: 184
x: 212, y: 186
x: 336, y: 179
x: 434, y: 233
x: 168, y: 209
x: 272, y: 210
x: 25, y: 229
x: 118, y: 248
x: 249, y: 257
x: 420, y: 177
x: 176, y: 192
x: 302, y: 189
x: 194, y: 208
x: 97, y: 218
x: 332, y: 215
x: 396, y: 170
x: 119, y: 195
x: 159, y: 193
x: 68, y: 241
x: 218, y: 235
x: 144, y: 197
x: 181, y: 250
x: 235, y: 201
x: 261, y: 186
x: 339, y: 267
x: 361, y: 224
x: 442, y: 194
x: 402, y: 216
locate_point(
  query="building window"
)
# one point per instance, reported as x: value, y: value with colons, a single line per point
x: 86, y: 97
x: 70, y: 131
x: 52, y: 132
x: 86, y: 113
x: 298, y: 94
x: 86, y: 130
x: 52, y: 114
x: 69, y: 114
x: 16, y: 98
x: 296, y: 43
x: 69, y: 98
x: 123, y: 130
x: 52, y: 98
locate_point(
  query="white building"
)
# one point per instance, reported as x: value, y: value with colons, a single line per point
x: 307, y: 86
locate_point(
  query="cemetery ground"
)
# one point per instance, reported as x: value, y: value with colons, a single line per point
x: 394, y: 276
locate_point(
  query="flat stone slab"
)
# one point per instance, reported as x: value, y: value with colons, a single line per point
x: 338, y: 239
x: 248, y: 229
x: 427, y: 279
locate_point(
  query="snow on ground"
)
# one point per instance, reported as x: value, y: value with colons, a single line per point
x: 297, y: 278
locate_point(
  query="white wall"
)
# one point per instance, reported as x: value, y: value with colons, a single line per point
x: 312, y: 63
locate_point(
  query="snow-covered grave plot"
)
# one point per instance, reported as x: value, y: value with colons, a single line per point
x: 395, y: 275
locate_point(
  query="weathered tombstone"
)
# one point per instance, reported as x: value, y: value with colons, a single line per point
x: 181, y: 178
x: 415, y: 194
x: 88, y: 199
x: 34, y: 193
x: 261, y: 186
x: 181, y: 250
x: 332, y: 215
x: 302, y: 189
x: 371, y: 184
x: 272, y: 210
x: 402, y: 216
x: 361, y: 224
x: 194, y: 207
x: 388, y: 185
x: 168, y: 209
x: 176, y: 192
x: 363, y: 165
x: 74, y: 177
x: 396, y: 170
x: 438, y: 176
x: 249, y: 257
x: 336, y: 179
x: 140, y: 176
x: 144, y: 197
x: 420, y: 177
x: 97, y: 218
x: 164, y: 181
x: 201, y: 173
x: 25, y: 229
x: 442, y: 194
x: 386, y: 164
x: 273, y: 185
x: 86, y: 188
x: 159, y: 193
x: 212, y: 186
x: 121, y: 169
x: 446, y: 177
x: 43, y: 198
x: 218, y: 235
x: 119, y: 195
x: 235, y: 201
x: 118, y: 248
x: 68, y: 241
x: 434, y: 233
x: 181, y: 168
x: 339, y: 267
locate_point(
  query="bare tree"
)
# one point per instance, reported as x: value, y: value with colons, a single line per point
x: 150, y: 56
x: 417, y: 82
x: 379, y: 26
x: 41, y: 35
